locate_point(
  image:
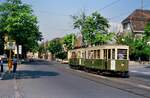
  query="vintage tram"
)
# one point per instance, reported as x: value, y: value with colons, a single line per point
x: 111, y: 59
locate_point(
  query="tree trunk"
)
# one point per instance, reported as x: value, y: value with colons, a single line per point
x: 24, y: 52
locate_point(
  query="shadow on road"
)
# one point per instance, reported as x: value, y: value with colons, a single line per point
x: 26, y: 74
x: 147, y: 67
x: 38, y: 62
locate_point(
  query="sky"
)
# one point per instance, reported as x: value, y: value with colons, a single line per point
x: 54, y: 16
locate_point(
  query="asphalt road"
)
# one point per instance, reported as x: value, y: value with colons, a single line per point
x: 52, y: 80
x: 141, y: 71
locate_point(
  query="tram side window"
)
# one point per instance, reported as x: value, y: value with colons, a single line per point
x: 90, y: 54
x: 113, y: 53
x: 109, y: 53
x: 105, y: 53
x: 94, y: 54
x: 79, y: 54
x: 98, y: 54
x: 73, y: 55
x: 83, y: 55
x: 122, y: 54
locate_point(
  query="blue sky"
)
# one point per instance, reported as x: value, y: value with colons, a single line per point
x: 54, y: 15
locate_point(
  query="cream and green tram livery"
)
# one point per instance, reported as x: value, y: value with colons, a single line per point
x: 104, y: 58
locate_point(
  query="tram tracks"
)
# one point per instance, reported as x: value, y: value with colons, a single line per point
x: 124, y: 84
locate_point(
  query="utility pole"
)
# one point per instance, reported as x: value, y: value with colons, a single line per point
x: 141, y: 4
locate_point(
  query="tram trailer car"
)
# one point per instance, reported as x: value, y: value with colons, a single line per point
x: 105, y: 58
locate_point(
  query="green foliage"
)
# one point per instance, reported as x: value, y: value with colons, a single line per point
x: 41, y: 48
x: 138, y: 46
x: 61, y: 55
x: 55, y: 46
x: 92, y: 27
x: 68, y: 41
x: 147, y: 32
x: 103, y: 38
x: 1, y: 43
x: 20, y: 24
x: 79, y: 21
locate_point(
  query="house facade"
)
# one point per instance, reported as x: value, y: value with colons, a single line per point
x: 136, y: 22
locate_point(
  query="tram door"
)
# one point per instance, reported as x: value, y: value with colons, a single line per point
x: 113, y: 62
x: 109, y: 59
x: 105, y: 58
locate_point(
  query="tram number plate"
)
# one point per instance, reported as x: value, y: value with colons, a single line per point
x: 113, y: 65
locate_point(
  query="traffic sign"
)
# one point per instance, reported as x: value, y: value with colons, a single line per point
x: 10, y: 45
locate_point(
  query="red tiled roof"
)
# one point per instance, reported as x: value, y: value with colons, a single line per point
x: 138, y: 19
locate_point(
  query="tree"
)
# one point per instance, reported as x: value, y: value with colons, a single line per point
x: 1, y: 44
x: 61, y: 55
x: 90, y: 26
x: 103, y: 38
x: 147, y: 39
x: 20, y: 24
x: 55, y: 46
x: 68, y: 41
x: 79, y: 21
x: 147, y: 32
x: 138, y: 47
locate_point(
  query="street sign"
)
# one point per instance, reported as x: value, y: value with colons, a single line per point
x: 20, y: 49
x: 10, y: 45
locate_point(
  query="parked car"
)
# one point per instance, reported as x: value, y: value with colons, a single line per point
x: 64, y: 62
x: 4, y: 58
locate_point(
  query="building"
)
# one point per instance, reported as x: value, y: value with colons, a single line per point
x: 136, y: 22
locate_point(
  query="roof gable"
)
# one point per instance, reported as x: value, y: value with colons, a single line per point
x: 138, y: 19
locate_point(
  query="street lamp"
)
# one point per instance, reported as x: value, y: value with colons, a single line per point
x: 9, y: 45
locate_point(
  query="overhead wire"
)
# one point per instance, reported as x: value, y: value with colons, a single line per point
x: 119, y: 15
x: 110, y: 4
x: 125, y: 13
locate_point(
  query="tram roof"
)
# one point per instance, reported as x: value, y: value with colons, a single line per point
x: 104, y: 47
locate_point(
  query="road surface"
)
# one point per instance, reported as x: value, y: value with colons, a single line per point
x: 42, y: 79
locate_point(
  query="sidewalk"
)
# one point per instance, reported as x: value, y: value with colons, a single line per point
x: 7, y: 84
x: 135, y: 64
x: 139, y: 68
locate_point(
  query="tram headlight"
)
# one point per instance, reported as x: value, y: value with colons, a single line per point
x: 122, y: 65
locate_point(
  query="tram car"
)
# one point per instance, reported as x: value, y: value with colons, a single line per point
x: 113, y: 59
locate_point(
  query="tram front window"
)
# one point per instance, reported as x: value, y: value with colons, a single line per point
x: 122, y: 54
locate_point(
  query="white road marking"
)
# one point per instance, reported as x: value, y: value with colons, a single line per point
x: 144, y: 86
x: 99, y: 76
x: 16, y: 89
x: 78, y: 71
x: 92, y: 74
x: 67, y: 68
x: 130, y: 83
x: 140, y: 72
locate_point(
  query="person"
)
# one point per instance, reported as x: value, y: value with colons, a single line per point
x: 1, y: 64
x: 14, y: 65
x: 121, y: 56
x: 139, y: 60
